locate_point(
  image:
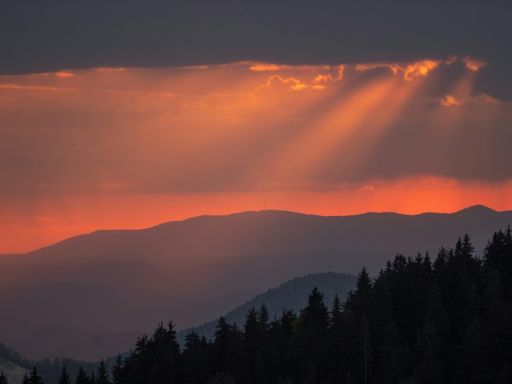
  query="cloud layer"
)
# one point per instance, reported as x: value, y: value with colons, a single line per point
x: 45, y: 36
x: 227, y: 128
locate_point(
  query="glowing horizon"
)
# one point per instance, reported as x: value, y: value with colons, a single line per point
x: 85, y: 149
x: 58, y: 218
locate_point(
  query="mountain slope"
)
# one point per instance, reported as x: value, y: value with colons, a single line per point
x: 13, y: 372
x: 125, y: 282
x: 12, y: 365
x: 291, y: 295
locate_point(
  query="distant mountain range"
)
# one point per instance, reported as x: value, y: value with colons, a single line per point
x: 90, y: 296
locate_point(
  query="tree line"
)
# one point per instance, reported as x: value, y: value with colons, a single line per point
x: 50, y: 370
x: 420, y: 320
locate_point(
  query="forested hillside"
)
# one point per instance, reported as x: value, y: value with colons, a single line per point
x: 291, y: 295
x: 421, y: 320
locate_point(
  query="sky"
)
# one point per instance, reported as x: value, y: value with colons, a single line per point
x: 128, y: 114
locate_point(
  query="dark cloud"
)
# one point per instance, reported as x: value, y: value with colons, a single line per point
x: 40, y: 36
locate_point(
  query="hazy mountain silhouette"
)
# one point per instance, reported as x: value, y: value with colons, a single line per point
x: 125, y: 282
x: 291, y: 295
x: 13, y: 372
x: 12, y: 365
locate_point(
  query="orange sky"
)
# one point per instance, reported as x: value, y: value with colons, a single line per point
x: 130, y: 148
x: 29, y: 225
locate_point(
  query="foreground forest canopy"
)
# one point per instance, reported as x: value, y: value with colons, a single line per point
x: 421, y: 320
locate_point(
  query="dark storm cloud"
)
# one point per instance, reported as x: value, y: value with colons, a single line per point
x: 38, y: 36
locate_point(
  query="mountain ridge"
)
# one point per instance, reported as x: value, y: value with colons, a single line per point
x: 477, y: 208
x: 199, y: 268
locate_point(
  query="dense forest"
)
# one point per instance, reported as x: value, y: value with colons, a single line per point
x: 421, y: 320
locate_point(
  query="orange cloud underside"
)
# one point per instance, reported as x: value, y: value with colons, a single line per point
x: 129, y: 148
x: 27, y: 225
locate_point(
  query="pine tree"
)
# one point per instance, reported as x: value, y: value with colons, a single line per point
x: 117, y: 370
x: 335, y: 316
x: 102, y: 374
x: 196, y: 360
x: 229, y: 351
x: 467, y: 247
x: 34, y: 377
x: 497, y: 256
x: 253, y: 339
x: 82, y: 377
x: 315, y: 315
x: 361, y: 302
x: 64, y: 377
x: 311, y: 342
x: 263, y: 316
x: 335, y: 343
x: 161, y: 363
x: 358, y: 300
